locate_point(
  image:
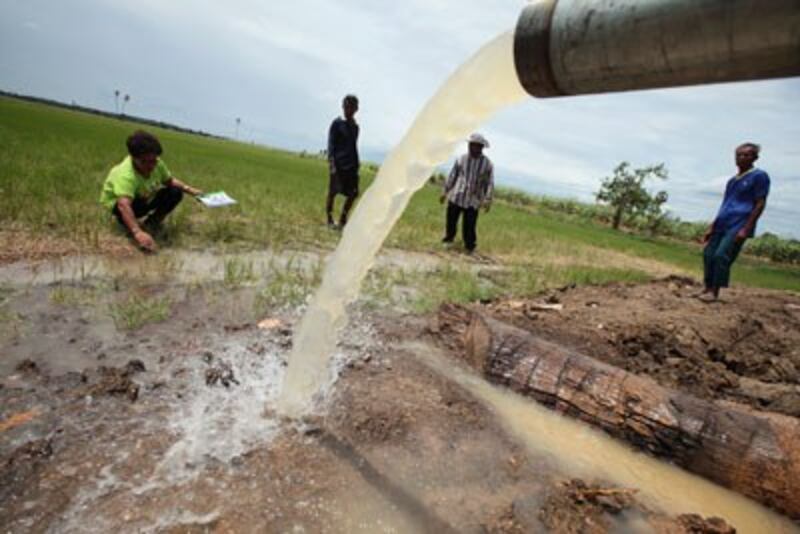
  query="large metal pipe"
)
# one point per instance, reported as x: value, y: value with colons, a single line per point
x: 572, y: 47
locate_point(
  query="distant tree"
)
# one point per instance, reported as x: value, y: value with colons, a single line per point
x: 626, y: 194
x: 125, y: 100
x: 116, y: 101
x: 653, y: 214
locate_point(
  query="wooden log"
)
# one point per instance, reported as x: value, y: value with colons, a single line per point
x: 755, y: 454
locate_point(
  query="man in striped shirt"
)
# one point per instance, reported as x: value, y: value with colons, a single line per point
x: 469, y: 186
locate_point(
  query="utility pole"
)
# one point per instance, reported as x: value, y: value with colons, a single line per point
x: 238, y: 122
x: 116, y: 101
x: 125, y: 101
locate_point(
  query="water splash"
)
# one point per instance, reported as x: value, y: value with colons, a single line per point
x: 479, y: 88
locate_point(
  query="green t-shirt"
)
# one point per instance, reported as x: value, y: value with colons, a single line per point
x: 124, y: 181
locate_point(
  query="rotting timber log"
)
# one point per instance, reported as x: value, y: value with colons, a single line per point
x: 757, y: 455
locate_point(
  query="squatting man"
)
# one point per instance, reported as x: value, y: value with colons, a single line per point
x: 142, y: 185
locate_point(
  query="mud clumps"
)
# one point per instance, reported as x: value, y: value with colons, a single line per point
x: 380, y: 425
x: 27, y: 366
x: 673, y: 361
x: 31, y: 451
x: 22, y: 463
x: 113, y: 381
x: 694, y: 524
x: 222, y: 374
x: 505, y: 522
x: 577, y: 507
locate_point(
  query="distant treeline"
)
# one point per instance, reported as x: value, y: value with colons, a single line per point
x: 119, y: 116
x: 767, y: 245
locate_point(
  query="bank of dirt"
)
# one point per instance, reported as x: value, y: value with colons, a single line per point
x: 745, y: 348
x: 170, y: 427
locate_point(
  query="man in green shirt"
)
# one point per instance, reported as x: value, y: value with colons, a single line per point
x: 142, y: 185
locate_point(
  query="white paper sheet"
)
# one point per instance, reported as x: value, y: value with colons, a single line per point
x: 216, y: 199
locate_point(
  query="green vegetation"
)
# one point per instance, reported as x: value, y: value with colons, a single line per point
x: 773, y: 247
x: 238, y: 272
x: 55, y: 160
x: 137, y: 311
x: 8, y: 319
x: 72, y: 296
x: 626, y: 194
x: 666, y: 225
x: 287, y: 286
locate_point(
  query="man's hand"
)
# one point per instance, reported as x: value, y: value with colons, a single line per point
x: 706, y: 236
x: 442, y: 198
x: 487, y: 206
x: 145, y: 240
x: 194, y: 191
x: 332, y: 167
x: 742, y: 234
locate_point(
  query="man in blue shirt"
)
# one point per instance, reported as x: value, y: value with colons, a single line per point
x: 744, y: 201
x: 343, y: 160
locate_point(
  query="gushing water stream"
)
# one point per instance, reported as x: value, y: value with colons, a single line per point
x: 481, y: 87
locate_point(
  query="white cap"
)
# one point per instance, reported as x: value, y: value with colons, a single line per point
x: 478, y: 138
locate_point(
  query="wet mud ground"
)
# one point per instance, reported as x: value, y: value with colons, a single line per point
x: 169, y: 426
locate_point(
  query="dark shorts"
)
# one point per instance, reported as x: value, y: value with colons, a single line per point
x: 344, y: 183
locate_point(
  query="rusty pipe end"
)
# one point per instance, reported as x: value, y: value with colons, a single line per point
x: 532, y: 58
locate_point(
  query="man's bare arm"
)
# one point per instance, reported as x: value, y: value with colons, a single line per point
x: 125, y: 207
x: 174, y: 182
x: 758, y: 209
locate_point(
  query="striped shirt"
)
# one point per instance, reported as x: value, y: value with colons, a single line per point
x: 471, y: 182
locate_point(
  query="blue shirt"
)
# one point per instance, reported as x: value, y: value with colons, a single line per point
x: 741, y: 195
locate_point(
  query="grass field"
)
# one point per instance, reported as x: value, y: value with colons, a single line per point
x: 55, y: 160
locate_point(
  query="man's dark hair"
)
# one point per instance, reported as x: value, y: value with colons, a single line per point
x: 141, y: 143
x: 755, y: 147
x: 350, y: 99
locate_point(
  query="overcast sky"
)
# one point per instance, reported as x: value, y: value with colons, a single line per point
x: 283, y: 66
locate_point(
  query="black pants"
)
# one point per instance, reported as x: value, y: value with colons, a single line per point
x: 163, y: 202
x: 467, y: 227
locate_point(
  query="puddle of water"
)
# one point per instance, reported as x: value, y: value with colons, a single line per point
x: 479, y: 88
x: 185, y: 266
x: 584, y: 452
x: 177, y: 266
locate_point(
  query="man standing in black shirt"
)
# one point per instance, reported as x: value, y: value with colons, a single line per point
x: 343, y: 160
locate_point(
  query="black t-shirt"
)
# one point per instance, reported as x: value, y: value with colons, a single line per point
x: 342, y: 144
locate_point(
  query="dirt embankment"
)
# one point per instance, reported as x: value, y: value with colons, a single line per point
x: 745, y: 349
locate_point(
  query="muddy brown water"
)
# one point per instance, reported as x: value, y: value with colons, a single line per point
x: 584, y: 452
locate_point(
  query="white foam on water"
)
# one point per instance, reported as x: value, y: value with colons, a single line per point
x: 479, y: 88
x: 212, y: 425
x: 218, y: 423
